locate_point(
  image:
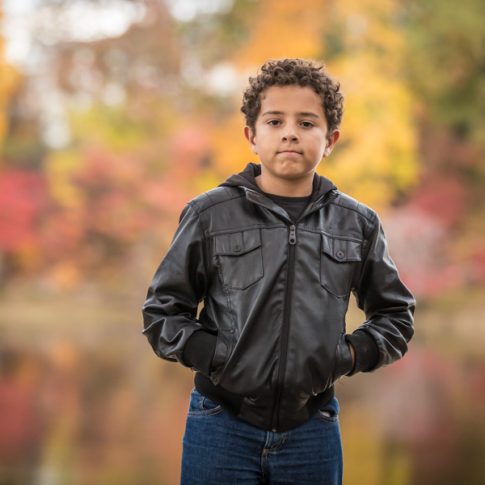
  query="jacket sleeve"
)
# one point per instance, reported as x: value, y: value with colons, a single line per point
x: 179, y: 284
x: 388, y: 305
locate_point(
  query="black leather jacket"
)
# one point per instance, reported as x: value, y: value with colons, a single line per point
x: 275, y: 296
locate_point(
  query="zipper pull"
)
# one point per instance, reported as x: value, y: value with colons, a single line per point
x: 292, y: 238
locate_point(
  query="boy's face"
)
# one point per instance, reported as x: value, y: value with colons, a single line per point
x: 291, y: 132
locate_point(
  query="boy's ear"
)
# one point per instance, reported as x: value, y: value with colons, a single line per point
x: 248, y: 133
x: 331, y: 141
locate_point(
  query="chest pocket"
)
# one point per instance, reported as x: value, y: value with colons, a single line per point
x: 240, y: 258
x: 338, y: 260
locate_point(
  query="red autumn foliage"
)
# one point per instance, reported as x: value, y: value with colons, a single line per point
x: 23, y: 199
x: 442, y: 197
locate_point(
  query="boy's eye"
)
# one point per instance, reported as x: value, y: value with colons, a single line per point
x: 305, y: 124
x: 270, y: 122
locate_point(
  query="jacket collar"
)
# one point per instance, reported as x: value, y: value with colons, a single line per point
x: 322, y: 189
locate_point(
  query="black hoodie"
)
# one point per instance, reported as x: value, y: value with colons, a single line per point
x: 247, y: 178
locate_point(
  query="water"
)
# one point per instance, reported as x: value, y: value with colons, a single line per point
x: 84, y: 398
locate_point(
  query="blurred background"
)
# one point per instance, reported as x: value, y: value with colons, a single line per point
x: 114, y: 113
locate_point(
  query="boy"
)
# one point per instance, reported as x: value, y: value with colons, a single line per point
x: 275, y: 252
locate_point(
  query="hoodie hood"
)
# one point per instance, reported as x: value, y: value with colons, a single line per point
x: 247, y: 178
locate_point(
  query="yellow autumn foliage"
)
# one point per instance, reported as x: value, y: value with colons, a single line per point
x: 9, y: 79
x: 230, y: 147
x: 58, y: 168
x: 376, y: 157
x: 283, y: 29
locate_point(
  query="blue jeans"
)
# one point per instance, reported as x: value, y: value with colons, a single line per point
x: 220, y: 449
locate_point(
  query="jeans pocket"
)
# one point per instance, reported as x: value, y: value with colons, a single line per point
x: 329, y: 411
x: 201, y: 405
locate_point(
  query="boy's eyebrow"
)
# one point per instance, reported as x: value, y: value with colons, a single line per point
x: 302, y: 113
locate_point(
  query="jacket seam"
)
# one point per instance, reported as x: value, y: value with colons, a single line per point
x: 337, y: 236
x: 245, y: 228
x: 205, y: 249
x: 371, y: 226
x: 203, y: 209
x: 368, y: 218
x: 367, y: 246
x: 207, y: 273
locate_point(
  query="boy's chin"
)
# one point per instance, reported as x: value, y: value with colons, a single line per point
x: 295, y: 173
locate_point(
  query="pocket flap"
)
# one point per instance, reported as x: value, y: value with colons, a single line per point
x: 340, y: 249
x: 237, y: 243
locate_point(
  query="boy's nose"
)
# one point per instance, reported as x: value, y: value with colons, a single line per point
x: 289, y: 135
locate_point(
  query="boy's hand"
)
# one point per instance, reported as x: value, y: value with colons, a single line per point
x: 199, y: 351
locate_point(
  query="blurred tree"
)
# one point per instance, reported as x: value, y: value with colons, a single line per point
x: 23, y: 199
x: 445, y: 63
x: 443, y: 54
x: 101, y: 203
x: 18, y: 191
x: 9, y: 78
x: 128, y: 165
x: 378, y: 160
x: 152, y: 117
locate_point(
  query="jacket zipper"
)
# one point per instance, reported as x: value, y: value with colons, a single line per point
x: 286, y: 327
x: 286, y: 317
x: 286, y: 324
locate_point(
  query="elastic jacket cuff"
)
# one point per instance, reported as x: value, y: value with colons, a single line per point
x: 366, y: 351
x: 199, y: 351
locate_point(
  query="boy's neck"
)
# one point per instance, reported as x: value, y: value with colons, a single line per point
x: 289, y: 188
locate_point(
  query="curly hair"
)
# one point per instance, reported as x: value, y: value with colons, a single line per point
x: 284, y: 72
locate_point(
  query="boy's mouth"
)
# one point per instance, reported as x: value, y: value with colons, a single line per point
x: 291, y: 151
